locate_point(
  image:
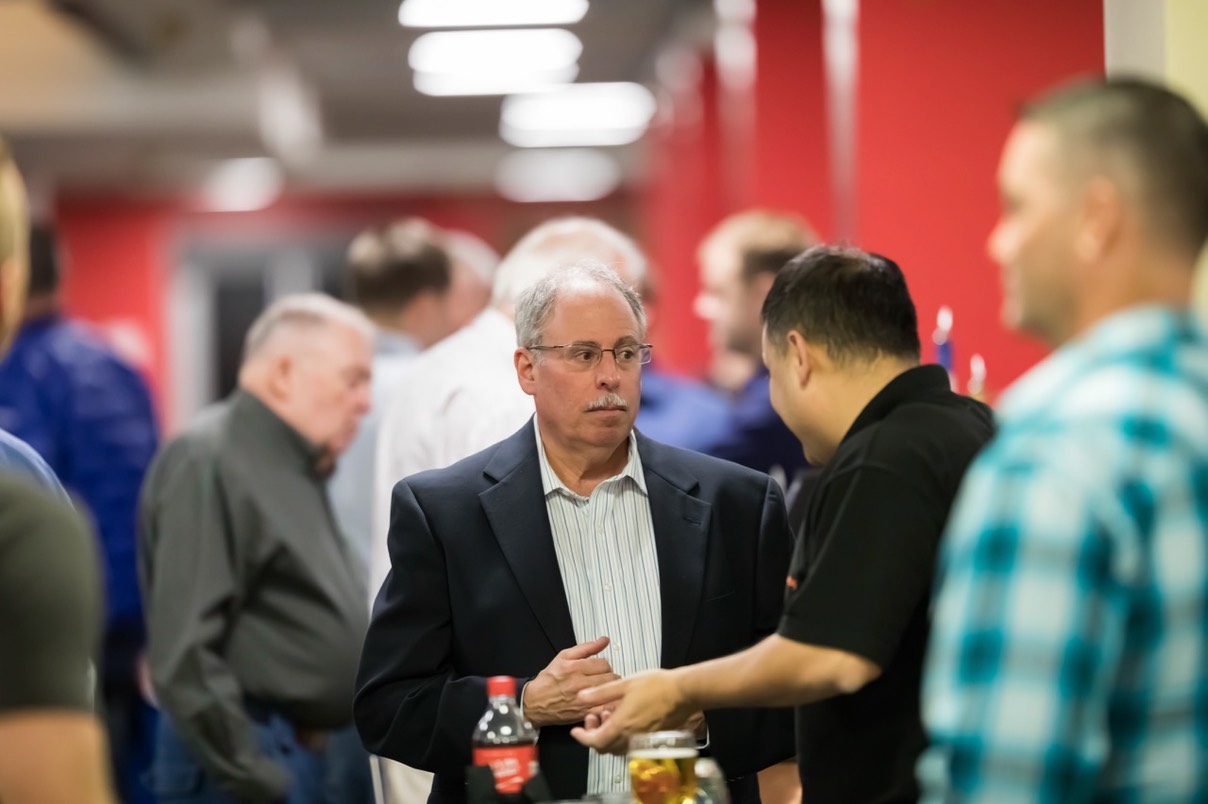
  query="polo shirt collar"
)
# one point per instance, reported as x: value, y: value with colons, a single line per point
x: 908, y: 385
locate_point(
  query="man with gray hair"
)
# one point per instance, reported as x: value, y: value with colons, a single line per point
x: 255, y: 613
x: 572, y: 551
x: 461, y: 396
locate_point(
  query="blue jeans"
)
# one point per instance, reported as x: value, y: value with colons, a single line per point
x: 337, y: 775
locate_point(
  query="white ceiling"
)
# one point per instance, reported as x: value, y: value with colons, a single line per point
x: 146, y: 96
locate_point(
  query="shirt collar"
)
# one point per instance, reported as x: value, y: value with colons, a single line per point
x: 550, y: 482
x: 1136, y: 331
x: 392, y: 342
x: 906, y: 386
x: 277, y: 434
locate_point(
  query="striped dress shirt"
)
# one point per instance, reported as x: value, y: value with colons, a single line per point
x: 610, y: 572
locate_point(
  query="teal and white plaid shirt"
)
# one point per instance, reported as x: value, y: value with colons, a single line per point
x: 1069, y: 653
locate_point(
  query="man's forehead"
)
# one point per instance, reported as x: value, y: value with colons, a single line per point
x: 1029, y: 144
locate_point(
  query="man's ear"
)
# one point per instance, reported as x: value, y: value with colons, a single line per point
x: 1102, y: 219
x: 801, y: 356
x: 280, y: 375
x: 525, y: 370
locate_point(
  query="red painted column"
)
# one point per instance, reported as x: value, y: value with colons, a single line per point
x: 938, y: 85
x: 684, y: 196
x: 791, y: 158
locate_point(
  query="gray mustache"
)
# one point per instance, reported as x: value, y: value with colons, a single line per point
x: 609, y: 400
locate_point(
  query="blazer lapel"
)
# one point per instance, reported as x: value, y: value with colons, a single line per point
x: 515, y: 507
x: 681, y: 535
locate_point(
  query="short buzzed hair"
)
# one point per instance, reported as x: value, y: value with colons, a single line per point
x: 295, y: 314
x: 389, y: 266
x: 1157, y: 135
x: 853, y: 303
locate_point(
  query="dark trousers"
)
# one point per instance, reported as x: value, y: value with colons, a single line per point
x: 339, y: 774
x: 130, y: 724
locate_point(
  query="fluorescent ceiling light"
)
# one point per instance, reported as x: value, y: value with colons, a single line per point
x: 577, y: 114
x: 489, y: 13
x: 569, y: 174
x: 243, y: 185
x: 501, y: 83
x: 484, y: 52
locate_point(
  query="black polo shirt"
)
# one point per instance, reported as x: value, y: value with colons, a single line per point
x: 861, y: 575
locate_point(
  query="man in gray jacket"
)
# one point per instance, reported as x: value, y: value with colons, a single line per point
x: 255, y: 613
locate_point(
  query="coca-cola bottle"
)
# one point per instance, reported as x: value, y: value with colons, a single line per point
x: 504, y: 740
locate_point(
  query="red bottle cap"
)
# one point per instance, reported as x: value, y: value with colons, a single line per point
x: 501, y: 685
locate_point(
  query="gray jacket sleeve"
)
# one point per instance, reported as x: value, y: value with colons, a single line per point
x: 191, y: 592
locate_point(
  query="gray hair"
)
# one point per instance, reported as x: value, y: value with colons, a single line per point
x: 561, y: 242
x: 536, y: 304
x: 302, y: 312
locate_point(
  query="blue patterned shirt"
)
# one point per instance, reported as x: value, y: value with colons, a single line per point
x: 1069, y: 654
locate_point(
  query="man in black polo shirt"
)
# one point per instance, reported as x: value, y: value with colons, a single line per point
x: 841, y: 343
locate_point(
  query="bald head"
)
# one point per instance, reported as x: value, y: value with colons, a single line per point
x: 14, y: 239
x: 559, y: 243
x: 1148, y: 141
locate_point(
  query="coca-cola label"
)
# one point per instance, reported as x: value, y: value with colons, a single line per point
x: 513, y: 765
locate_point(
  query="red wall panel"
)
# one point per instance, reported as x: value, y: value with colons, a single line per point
x: 939, y: 81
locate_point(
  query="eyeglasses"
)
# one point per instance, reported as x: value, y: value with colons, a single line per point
x: 582, y: 356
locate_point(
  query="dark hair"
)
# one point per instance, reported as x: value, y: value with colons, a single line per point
x: 44, y: 273
x: 1156, y: 133
x: 391, y: 265
x: 853, y: 303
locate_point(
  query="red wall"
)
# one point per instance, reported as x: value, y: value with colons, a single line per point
x: 116, y: 270
x: 792, y: 152
x: 939, y: 81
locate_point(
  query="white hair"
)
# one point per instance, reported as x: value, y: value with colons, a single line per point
x: 294, y: 314
x: 560, y: 243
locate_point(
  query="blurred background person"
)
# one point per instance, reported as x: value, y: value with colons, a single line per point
x: 473, y: 264
x: 1067, y: 660
x: 52, y: 746
x: 88, y: 413
x: 676, y: 410
x: 462, y: 396
x: 255, y: 610
x: 738, y: 261
x: 400, y: 276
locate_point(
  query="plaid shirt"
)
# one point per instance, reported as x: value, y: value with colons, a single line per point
x: 1069, y: 654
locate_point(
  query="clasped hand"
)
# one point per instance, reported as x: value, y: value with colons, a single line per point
x: 552, y: 698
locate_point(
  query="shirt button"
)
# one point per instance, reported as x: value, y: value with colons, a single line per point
x: 616, y: 779
x: 607, y: 587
